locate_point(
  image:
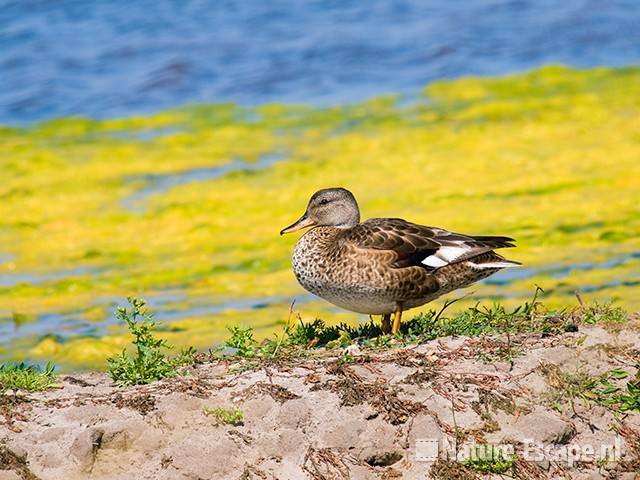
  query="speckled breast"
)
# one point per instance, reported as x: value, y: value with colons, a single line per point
x: 324, y: 270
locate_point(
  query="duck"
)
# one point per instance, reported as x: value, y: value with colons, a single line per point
x: 385, y: 266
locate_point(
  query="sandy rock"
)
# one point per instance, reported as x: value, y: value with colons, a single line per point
x: 9, y: 475
x: 309, y: 420
x: 541, y: 425
x: 85, y: 446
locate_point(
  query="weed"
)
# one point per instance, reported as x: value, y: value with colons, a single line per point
x: 382, y: 342
x: 185, y: 357
x: 26, y: 377
x: 566, y: 387
x: 304, y: 333
x: 223, y: 415
x: 623, y: 398
x: 605, y: 390
x: 242, y: 340
x: 631, y: 399
x: 487, y: 459
x: 347, y: 358
x: 149, y: 363
x: 475, y: 321
x: 604, y: 312
x: 315, y: 333
x: 318, y: 334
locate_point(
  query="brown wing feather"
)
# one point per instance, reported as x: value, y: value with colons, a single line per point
x: 412, y: 243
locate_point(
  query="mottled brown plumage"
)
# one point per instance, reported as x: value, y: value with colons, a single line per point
x: 385, y: 265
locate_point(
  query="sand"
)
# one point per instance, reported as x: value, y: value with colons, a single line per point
x: 363, y: 415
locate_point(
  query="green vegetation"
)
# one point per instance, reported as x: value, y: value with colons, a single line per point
x: 608, y: 389
x: 625, y: 397
x: 223, y: 415
x: 477, y: 320
x: 566, y: 387
x: 242, y: 341
x: 605, y: 312
x: 149, y: 363
x: 26, y: 377
x: 488, y: 459
x: 318, y: 334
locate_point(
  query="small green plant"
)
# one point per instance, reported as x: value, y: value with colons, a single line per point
x: 567, y: 386
x: 604, y: 312
x: 312, y: 334
x: 242, y: 340
x: 149, y: 363
x: 347, y: 358
x: 304, y: 334
x: 185, y: 357
x: 623, y: 398
x: 319, y: 334
x: 606, y: 390
x: 630, y: 400
x: 223, y: 415
x: 488, y: 459
x: 381, y: 342
x: 26, y: 377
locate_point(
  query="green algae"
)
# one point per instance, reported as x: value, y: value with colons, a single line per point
x: 548, y: 157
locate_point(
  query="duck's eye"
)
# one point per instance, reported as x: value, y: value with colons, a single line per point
x: 324, y: 201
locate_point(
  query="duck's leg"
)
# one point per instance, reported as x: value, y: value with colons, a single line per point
x: 396, y: 319
x: 385, y: 325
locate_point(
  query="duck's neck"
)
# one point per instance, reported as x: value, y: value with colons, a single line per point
x: 313, y: 254
x: 322, y: 236
x: 319, y: 240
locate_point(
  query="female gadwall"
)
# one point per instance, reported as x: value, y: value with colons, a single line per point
x: 384, y: 265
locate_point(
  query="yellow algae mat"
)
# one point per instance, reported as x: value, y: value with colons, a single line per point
x: 184, y: 207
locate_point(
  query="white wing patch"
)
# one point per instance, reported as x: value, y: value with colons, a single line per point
x: 445, y: 256
x: 433, y: 261
x: 450, y: 254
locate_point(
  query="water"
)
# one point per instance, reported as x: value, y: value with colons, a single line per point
x: 11, y: 279
x: 73, y: 324
x: 510, y: 275
x: 118, y: 58
x: 68, y: 325
x: 6, y: 257
x: 158, y: 184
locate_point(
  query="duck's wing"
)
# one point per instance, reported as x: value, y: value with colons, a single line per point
x: 418, y: 245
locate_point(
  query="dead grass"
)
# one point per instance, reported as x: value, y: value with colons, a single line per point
x: 143, y: 403
x: 384, y: 400
x: 328, y: 463
x: 9, y: 460
x: 279, y: 393
x: 450, y: 470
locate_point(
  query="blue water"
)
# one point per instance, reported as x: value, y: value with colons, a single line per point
x: 510, y: 275
x: 11, y: 279
x: 68, y: 325
x: 118, y: 58
x: 156, y: 184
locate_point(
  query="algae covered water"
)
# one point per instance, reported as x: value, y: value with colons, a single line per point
x: 112, y: 187
x: 184, y: 207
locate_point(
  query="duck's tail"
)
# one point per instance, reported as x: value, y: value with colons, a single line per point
x: 494, y: 242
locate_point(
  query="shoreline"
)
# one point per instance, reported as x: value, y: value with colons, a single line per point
x: 342, y: 414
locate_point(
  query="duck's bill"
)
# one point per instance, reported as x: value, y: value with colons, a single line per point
x: 303, y: 222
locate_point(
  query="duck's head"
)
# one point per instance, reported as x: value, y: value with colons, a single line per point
x: 335, y: 207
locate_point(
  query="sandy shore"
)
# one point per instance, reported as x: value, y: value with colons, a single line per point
x: 364, y: 415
